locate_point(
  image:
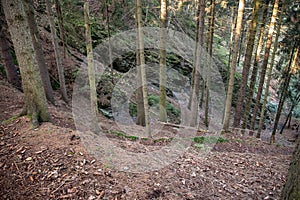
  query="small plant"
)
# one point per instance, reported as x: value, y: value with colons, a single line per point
x: 209, y: 140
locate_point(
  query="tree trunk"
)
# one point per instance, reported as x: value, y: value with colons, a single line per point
x: 57, y: 53
x: 162, y: 61
x: 247, y: 62
x: 140, y: 102
x: 265, y: 62
x: 294, y: 56
x: 90, y: 58
x: 269, y: 76
x: 291, y: 188
x: 109, y: 44
x: 7, y: 59
x: 142, y: 66
x: 210, y: 44
x: 255, y: 67
x: 196, y: 83
x: 60, y: 27
x: 237, y: 41
x: 39, y: 51
x: 35, y: 98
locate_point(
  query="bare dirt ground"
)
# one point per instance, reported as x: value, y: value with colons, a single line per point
x: 52, y: 163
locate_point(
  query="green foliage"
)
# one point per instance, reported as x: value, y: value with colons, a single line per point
x: 123, y: 135
x: 209, y: 140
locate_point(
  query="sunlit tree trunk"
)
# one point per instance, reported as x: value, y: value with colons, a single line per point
x: 210, y: 44
x: 58, y: 56
x: 265, y: 62
x: 247, y: 62
x: 248, y: 101
x: 39, y: 51
x: 269, y: 76
x: 7, y: 59
x: 237, y: 40
x: 162, y: 61
x: 196, y: 83
x: 287, y: 74
x: 142, y: 66
x: 35, y: 98
x: 90, y: 59
x: 232, y: 31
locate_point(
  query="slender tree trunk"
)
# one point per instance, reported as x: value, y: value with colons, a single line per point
x: 109, y: 45
x: 57, y: 53
x: 290, y: 114
x: 255, y: 67
x: 7, y: 59
x: 162, y: 61
x: 232, y: 31
x: 210, y: 44
x: 294, y: 56
x: 265, y: 62
x: 237, y: 41
x: 35, y: 98
x: 140, y: 102
x: 291, y: 188
x: 269, y: 76
x: 39, y: 51
x: 60, y: 26
x: 142, y: 66
x: 247, y: 62
x: 90, y: 58
x: 196, y: 83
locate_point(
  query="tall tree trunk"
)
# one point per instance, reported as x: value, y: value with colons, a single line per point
x: 109, y: 44
x: 140, y: 120
x: 210, y: 44
x: 142, y: 66
x: 7, y: 59
x: 265, y: 62
x: 196, y: 83
x: 58, y: 58
x: 291, y: 188
x: 232, y: 31
x: 255, y: 66
x: 247, y: 62
x: 294, y: 56
x: 61, y: 27
x: 35, y: 98
x: 90, y: 58
x: 237, y: 41
x: 269, y: 76
x: 162, y: 61
x: 39, y: 51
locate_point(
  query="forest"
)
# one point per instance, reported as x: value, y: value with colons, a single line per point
x: 133, y: 99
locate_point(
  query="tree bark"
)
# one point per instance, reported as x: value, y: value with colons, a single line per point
x: 142, y: 66
x: 209, y: 47
x: 35, y: 98
x: 196, y: 83
x: 291, y: 188
x: 7, y: 59
x: 162, y: 61
x: 237, y: 41
x: 60, y: 27
x: 90, y: 58
x: 255, y: 67
x: 39, y: 52
x: 247, y: 62
x: 269, y: 76
x: 265, y: 62
x: 58, y: 57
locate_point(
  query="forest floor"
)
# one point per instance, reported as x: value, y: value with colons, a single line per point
x: 51, y: 162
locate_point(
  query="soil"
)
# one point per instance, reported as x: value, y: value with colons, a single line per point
x: 51, y: 162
